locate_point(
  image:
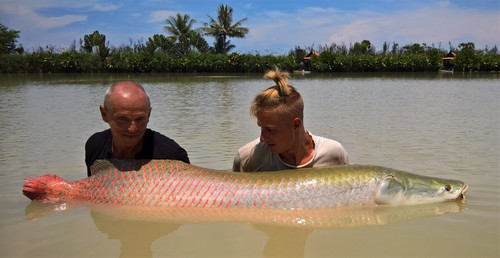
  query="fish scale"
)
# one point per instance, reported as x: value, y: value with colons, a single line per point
x: 168, y: 183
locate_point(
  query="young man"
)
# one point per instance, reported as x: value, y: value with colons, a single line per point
x: 127, y: 109
x: 284, y: 143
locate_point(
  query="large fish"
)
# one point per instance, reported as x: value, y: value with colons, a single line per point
x: 168, y: 183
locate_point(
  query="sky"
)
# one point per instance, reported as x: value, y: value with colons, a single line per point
x: 276, y: 26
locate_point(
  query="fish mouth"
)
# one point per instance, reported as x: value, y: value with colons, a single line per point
x: 461, y: 196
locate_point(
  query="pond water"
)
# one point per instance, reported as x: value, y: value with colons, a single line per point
x: 444, y: 125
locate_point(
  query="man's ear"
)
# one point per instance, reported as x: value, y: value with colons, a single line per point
x: 103, y: 113
x: 297, y: 122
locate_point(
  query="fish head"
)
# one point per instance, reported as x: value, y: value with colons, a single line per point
x: 407, y: 188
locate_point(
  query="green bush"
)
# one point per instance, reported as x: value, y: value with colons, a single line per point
x: 160, y: 61
x: 13, y: 63
x: 129, y: 62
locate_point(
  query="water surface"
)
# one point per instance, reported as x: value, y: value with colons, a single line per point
x: 432, y: 124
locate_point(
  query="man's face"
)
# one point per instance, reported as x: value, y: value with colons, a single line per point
x: 277, y: 131
x: 128, y: 119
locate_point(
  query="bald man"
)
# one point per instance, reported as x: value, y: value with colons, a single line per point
x: 126, y: 108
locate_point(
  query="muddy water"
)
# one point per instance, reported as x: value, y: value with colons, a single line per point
x: 433, y: 124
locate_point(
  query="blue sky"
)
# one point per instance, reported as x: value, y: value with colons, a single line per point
x: 276, y: 27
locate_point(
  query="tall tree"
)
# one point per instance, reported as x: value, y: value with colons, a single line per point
x: 8, y: 40
x: 159, y: 43
x: 185, y: 37
x: 363, y: 47
x: 222, y: 28
x: 96, y: 43
x: 414, y: 49
x: 467, y: 58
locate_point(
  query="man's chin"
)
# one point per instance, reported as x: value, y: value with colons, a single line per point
x: 273, y: 149
x: 131, y: 141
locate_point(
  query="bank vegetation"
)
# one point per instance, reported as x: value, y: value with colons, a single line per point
x: 185, y: 50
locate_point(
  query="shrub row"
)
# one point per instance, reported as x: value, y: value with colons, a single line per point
x: 329, y: 62
x: 80, y: 62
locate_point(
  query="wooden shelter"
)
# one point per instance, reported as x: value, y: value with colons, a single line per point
x: 448, y: 60
x: 306, y: 65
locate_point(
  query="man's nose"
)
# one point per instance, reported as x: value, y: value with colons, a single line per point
x: 262, y: 136
x: 132, y: 126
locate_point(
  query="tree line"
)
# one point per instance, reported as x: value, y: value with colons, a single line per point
x: 185, y: 49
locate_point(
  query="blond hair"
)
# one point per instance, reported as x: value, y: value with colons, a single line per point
x: 282, y: 97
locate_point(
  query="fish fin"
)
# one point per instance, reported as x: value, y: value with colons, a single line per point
x: 101, y: 166
x: 46, y: 188
x: 389, y: 191
x: 123, y: 165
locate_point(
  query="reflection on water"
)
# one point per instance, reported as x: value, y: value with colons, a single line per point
x: 331, y: 218
x: 431, y: 124
x: 287, y: 231
x: 135, y: 237
x: 284, y: 242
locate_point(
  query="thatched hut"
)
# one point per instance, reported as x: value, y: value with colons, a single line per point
x: 448, y: 60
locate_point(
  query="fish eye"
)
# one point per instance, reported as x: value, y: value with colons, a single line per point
x: 447, y: 188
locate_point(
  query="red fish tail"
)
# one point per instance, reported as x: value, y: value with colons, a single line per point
x: 46, y: 188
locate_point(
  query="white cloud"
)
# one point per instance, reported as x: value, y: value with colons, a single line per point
x: 61, y: 21
x: 436, y: 24
x: 28, y: 19
x: 102, y: 7
x: 42, y: 23
x: 432, y: 25
x: 161, y: 16
x: 36, y: 29
x: 279, y: 31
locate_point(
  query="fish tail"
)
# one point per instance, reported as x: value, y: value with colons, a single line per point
x: 47, y: 188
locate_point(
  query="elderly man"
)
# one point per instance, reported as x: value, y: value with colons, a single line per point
x: 126, y: 109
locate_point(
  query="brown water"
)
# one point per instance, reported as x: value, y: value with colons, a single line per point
x: 433, y: 124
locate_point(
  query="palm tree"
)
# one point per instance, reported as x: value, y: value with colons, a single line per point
x: 159, y: 43
x: 222, y: 29
x: 185, y: 37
